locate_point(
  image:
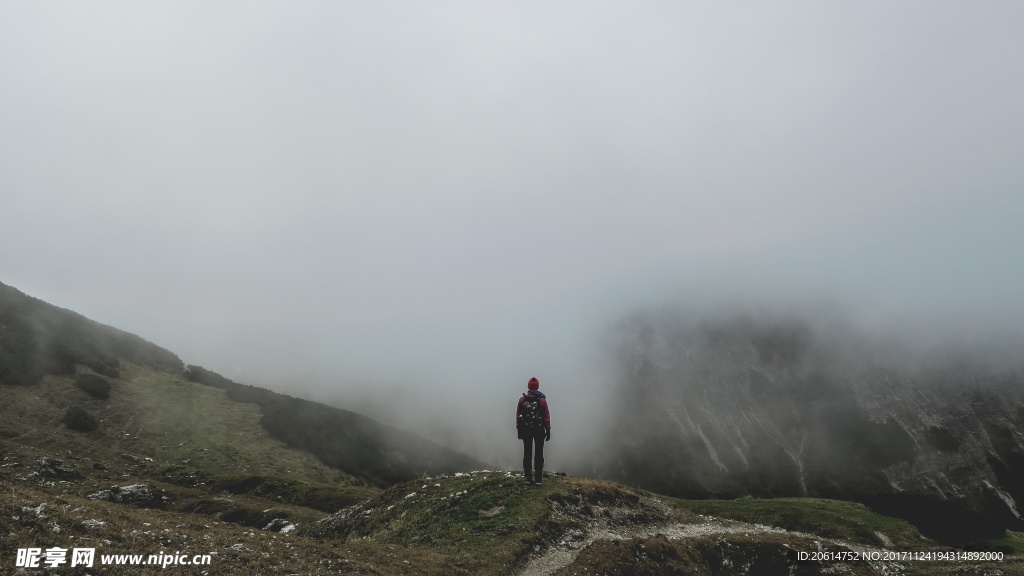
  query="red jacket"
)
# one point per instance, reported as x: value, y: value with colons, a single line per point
x: 543, y: 406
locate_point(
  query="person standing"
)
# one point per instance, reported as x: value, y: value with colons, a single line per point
x: 533, y: 426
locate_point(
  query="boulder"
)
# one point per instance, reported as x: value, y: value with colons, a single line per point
x: 54, y: 468
x: 279, y: 525
x: 135, y: 494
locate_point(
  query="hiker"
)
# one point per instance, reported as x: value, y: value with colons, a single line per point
x: 533, y: 425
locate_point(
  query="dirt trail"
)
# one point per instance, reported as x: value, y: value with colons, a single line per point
x: 605, y: 527
x: 557, y: 557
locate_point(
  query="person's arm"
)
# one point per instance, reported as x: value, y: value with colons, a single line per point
x: 547, y: 418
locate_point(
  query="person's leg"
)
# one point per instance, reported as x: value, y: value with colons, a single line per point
x: 528, y: 456
x: 538, y: 466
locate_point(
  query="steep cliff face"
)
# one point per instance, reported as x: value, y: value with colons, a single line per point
x: 777, y: 408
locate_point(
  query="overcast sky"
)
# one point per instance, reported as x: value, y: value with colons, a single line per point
x: 442, y: 199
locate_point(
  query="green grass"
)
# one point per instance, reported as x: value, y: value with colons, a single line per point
x: 829, y: 518
x: 323, y: 497
x: 1010, y: 543
x: 177, y: 422
x: 484, y: 523
x: 156, y: 419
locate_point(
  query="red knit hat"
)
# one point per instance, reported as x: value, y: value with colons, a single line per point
x: 533, y: 384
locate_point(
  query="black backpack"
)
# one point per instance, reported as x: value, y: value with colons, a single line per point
x: 530, y: 413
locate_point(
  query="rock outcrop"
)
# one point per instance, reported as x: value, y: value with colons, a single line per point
x: 135, y: 494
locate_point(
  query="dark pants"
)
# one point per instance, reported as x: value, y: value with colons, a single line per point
x: 533, y: 453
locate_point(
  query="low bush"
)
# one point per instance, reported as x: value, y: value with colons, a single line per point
x: 94, y: 385
x: 78, y: 419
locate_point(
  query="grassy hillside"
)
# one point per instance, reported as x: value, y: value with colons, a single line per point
x: 39, y: 341
x: 106, y: 443
x: 222, y: 485
x: 837, y: 519
x: 213, y: 471
x: 341, y: 438
x: 37, y: 338
x: 155, y: 421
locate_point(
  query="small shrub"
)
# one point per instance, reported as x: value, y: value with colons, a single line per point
x: 102, y: 368
x: 94, y: 385
x: 55, y: 361
x: 78, y: 419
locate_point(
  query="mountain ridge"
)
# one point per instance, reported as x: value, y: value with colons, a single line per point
x: 39, y: 339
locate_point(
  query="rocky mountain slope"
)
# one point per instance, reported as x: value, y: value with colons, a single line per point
x: 779, y: 408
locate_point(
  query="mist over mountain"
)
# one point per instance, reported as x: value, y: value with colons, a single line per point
x: 39, y: 339
x: 365, y: 226
x: 786, y: 405
x: 704, y: 406
x: 341, y: 438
